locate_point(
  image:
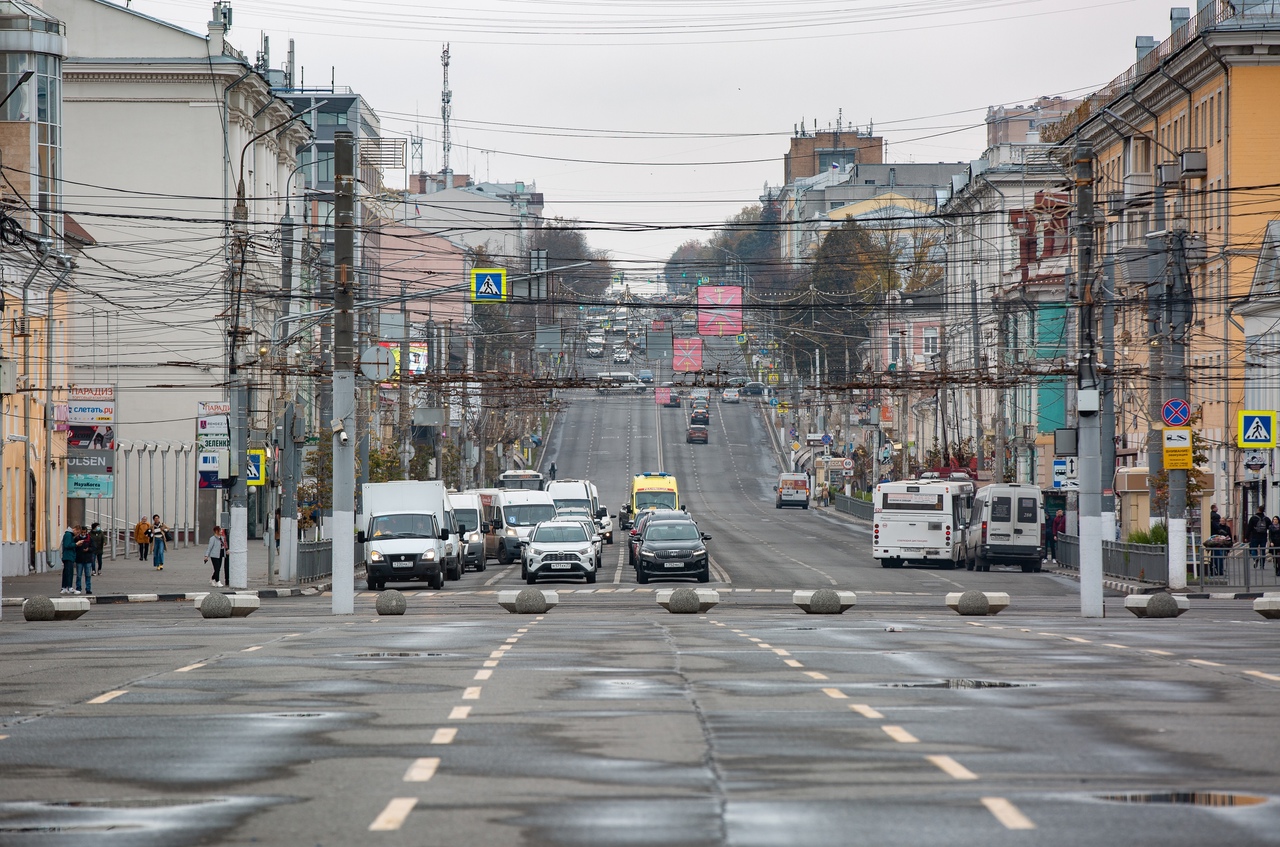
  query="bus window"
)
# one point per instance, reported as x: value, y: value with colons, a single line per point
x: 1001, y: 509
x: 1027, y: 512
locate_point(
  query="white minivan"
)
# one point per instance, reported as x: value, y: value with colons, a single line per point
x: 1006, y: 527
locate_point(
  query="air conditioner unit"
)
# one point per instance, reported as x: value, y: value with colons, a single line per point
x: 1115, y: 203
x: 1195, y: 164
x: 1169, y: 173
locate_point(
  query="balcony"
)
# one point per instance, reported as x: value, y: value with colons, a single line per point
x: 1139, y: 190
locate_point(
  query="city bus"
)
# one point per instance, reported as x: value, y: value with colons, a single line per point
x: 521, y: 480
x: 921, y: 522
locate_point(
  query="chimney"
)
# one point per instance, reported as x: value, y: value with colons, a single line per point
x: 420, y: 183
x: 218, y: 27
x: 1144, y: 44
x: 1179, y: 16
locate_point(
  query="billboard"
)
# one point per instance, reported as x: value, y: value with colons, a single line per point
x: 213, y: 440
x: 719, y: 310
x: 91, y: 441
x: 686, y: 354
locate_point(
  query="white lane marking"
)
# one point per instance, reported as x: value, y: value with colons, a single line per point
x: 622, y: 557
x: 765, y: 646
x: 1205, y: 662
x: 484, y: 674
x: 491, y: 663
x: 835, y: 693
x: 107, y: 698
x: 502, y: 651
x: 753, y: 638
x: 293, y: 635
x: 900, y: 735
x: 393, y: 816
x: 1158, y: 652
x: 1267, y: 676
x: 3, y: 737
x: 1117, y: 646
x: 251, y: 649
x: 793, y: 663
x: 445, y: 735
x: 460, y: 713
x: 191, y: 667
x: 1077, y: 639
x: 866, y: 711
x: 513, y: 639
x: 522, y: 631
x: 1007, y: 813
x: 471, y: 693
x: 816, y: 675
x: 500, y: 574
x: 951, y: 767
x: 779, y: 651
x: 422, y: 769
x: 497, y: 654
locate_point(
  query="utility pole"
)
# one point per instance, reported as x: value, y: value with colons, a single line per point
x: 406, y: 440
x: 291, y: 434
x: 1156, y: 258
x: 1180, y: 317
x: 1108, y: 395
x: 238, y: 531
x: 1088, y: 396
x: 343, y: 424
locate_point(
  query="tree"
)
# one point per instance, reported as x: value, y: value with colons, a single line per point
x: 566, y: 244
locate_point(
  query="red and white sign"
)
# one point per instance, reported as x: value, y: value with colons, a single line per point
x: 686, y: 354
x: 662, y: 396
x: 719, y: 310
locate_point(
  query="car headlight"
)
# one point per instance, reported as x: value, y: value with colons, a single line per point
x: 647, y: 555
x: 585, y: 551
x: 701, y: 551
x: 375, y: 556
x: 429, y: 556
x: 512, y: 533
x: 534, y: 552
x: 473, y: 536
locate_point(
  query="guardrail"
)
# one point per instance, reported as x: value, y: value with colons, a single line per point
x: 1139, y: 562
x: 861, y: 509
x: 315, y: 560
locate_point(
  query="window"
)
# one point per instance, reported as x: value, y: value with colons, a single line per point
x: 1001, y: 509
x: 895, y: 347
x: 929, y: 343
x: 1027, y: 509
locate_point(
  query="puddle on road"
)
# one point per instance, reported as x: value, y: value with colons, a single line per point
x: 958, y: 684
x: 145, y: 821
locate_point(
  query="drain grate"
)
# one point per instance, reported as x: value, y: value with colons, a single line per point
x: 958, y: 684
x: 1219, y: 799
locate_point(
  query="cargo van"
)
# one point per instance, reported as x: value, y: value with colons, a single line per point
x: 582, y: 494
x: 612, y: 382
x: 405, y: 531
x: 510, y: 519
x: 1005, y: 527
x: 792, y: 490
x: 468, y: 511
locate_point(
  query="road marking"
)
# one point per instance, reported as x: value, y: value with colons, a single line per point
x: 191, y: 667
x: 835, y: 693
x: 444, y: 735
x: 460, y: 713
x: 779, y: 651
x: 951, y: 767
x: 484, y: 674
x: 1007, y: 813
x: 513, y: 640
x: 900, y: 735
x: 1267, y: 676
x: 251, y: 649
x: 816, y: 675
x: 792, y: 663
x: 471, y: 693
x: 866, y: 711
x: 394, y: 815
x: 422, y: 770
x: 1158, y: 652
x: 523, y: 631
x: 497, y: 654
x: 491, y: 663
x: 502, y: 651
x: 1117, y: 646
x: 106, y: 698
x: 294, y: 635
x: 1204, y: 662
x: 1078, y: 639
x: 765, y: 646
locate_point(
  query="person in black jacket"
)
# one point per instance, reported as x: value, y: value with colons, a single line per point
x: 1259, y: 530
x: 1274, y: 534
x: 84, y: 561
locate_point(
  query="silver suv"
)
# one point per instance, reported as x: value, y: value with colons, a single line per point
x: 558, y: 548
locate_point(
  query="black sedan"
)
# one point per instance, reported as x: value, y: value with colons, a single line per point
x: 699, y: 416
x: 754, y: 389
x: 672, y: 549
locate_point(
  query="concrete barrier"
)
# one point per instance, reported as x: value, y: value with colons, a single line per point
x: 507, y: 599
x: 804, y: 599
x: 1268, y: 606
x: 707, y: 598
x: 41, y: 608
x: 240, y: 605
x: 997, y: 601
x: 391, y: 602
x: 1137, y: 603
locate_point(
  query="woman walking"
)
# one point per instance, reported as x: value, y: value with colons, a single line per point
x: 216, y: 552
x: 142, y: 537
x: 157, y: 542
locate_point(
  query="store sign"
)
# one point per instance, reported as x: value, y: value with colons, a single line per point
x: 91, y: 441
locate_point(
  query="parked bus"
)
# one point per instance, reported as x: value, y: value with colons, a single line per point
x: 521, y: 480
x: 921, y: 522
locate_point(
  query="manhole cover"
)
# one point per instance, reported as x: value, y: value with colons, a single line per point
x: 958, y: 683
x: 1187, y: 798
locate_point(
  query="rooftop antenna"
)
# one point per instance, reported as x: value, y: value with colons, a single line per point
x: 415, y: 145
x: 446, y: 96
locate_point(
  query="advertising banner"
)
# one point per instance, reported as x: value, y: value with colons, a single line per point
x: 687, y: 354
x: 91, y: 441
x: 213, y: 438
x: 719, y: 310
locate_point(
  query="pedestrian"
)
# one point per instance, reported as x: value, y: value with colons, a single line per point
x: 142, y: 537
x: 68, y: 559
x: 99, y: 539
x: 1258, y: 529
x: 277, y: 532
x: 1050, y: 543
x: 552, y: 470
x: 158, y: 531
x: 1059, y: 528
x: 1218, y: 530
x: 216, y: 552
x: 84, y: 561
x: 1274, y: 534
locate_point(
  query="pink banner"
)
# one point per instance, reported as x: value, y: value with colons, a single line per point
x: 686, y: 354
x: 662, y: 396
x: 719, y: 310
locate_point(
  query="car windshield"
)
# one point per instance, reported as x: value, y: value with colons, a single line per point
x: 470, y: 518
x: 403, y: 526
x: 655, y: 500
x: 681, y: 531
x: 560, y: 534
x: 528, y: 514
x: 564, y: 504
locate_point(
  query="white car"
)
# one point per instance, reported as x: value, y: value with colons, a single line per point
x: 558, y: 548
x: 622, y: 357
x: 730, y: 395
x: 581, y: 516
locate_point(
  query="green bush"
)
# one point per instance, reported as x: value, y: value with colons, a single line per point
x: 1158, y: 534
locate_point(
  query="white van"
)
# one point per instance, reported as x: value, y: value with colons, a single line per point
x: 402, y: 534
x: 612, y: 382
x: 510, y: 518
x: 418, y: 495
x: 468, y: 511
x: 1006, y: 527
x: 792, y: 490
x: 581, y: 494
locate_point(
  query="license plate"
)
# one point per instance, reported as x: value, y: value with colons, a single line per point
x: 402, y: 564
x: 674, y: 565
x: 560, y: 566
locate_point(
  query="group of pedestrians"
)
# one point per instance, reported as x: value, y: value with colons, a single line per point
x: 81, y: 557
x: 152, y: 537
x: 1261, y: 532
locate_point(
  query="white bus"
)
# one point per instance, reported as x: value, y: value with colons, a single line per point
x: 921, y: 522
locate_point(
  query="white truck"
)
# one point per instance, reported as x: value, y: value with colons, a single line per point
x: 404, y: 530
x: 581, y: 494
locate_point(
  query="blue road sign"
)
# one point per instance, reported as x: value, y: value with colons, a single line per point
x: 826, y: 439
x: 1256, y: 429
x: 488, y: 285
x: 773, y: 401
x: 1176, y: 412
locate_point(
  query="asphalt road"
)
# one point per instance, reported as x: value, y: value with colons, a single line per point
x: 609, y: 721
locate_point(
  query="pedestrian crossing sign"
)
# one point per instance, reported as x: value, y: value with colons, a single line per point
x: 254, y: 474
x: 1256, y: 429
x: 488, y: 285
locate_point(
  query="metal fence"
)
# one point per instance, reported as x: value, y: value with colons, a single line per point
x: 1140, y: 562
x: 863, y: 509
x: 1237, y: 567
x: 315, y: 559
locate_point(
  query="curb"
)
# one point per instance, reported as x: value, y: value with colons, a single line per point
x: 117, y: 599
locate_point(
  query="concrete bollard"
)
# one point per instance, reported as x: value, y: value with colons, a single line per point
x: 509, y: 600
x: 38, y: 608
x: 992, y: 602
x: 684, y: 601
x: 1159, y: 605
x: 243, y: 605
x: 391, y: 602
x: 57, y: 608
x: 1268, y: 606
x: 707, y: 598
x: 214, y: 605
x: 825, y: 601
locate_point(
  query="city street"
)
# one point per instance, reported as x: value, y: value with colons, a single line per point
x: 610, y: 721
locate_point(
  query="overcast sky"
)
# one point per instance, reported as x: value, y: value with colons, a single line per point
x: 653, y: 118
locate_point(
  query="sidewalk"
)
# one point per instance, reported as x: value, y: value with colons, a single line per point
x: 131, y: 580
